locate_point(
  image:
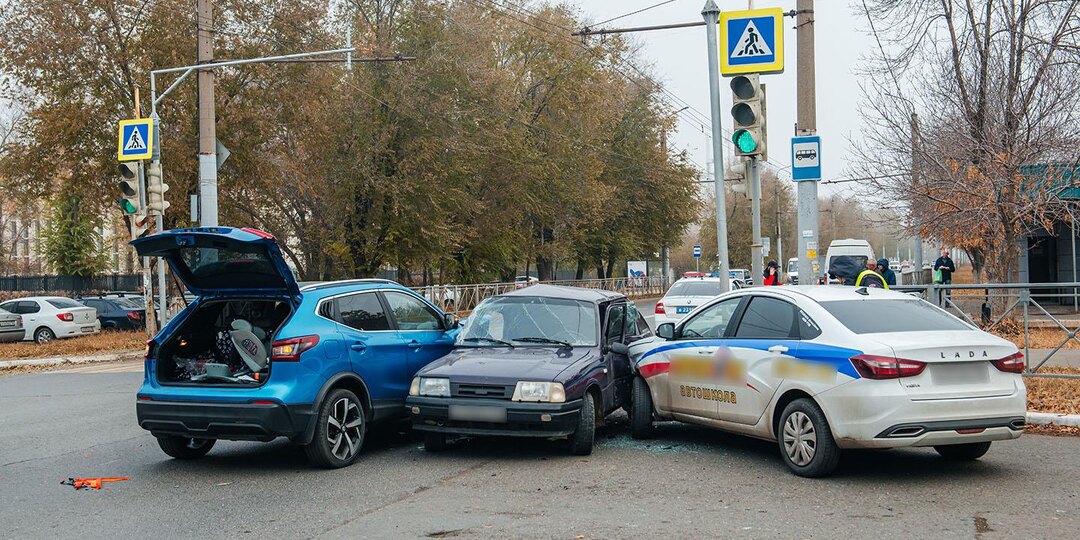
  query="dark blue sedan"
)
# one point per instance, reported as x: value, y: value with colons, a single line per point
x: 543, y: 361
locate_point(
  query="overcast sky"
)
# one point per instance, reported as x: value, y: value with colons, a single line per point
x: 679, y: 60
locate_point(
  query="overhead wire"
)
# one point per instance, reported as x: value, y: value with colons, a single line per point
x: 656, y: 5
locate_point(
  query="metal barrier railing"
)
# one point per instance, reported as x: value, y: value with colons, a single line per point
x: 463, y: 298
x: 1008, y: 299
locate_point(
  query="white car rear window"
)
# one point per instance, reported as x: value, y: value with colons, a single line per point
x: 877, y: 316
x: 694, y: 288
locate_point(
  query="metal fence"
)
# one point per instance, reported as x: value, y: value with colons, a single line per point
x: 989, y: 305
x: 71, y: 284
x: 463, y: 298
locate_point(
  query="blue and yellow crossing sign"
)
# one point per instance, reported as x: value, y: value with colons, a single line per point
x: 753, y: 41
x: 136, y: 140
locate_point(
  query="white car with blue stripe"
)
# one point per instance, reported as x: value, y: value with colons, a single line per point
x: 824, y: 368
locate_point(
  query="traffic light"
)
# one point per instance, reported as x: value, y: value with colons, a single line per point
x: 748, y: 111
x: 129, y: 188
x: 155, y: 190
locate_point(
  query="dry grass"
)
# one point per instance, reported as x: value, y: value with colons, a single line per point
x: 1053, y: 430
x: 104, y: 342
x: 1038, y: 338
x: 1054, y: 395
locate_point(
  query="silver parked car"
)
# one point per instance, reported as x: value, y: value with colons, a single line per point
x: 11, y: 327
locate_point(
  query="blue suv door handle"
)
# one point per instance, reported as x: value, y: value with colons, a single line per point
x: 358, y: 346
x: 415, y: 345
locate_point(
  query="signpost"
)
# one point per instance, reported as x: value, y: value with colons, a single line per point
x: 752, y: 41
x: 806, y: 158
x: 135, y: 140
x: 697, y: 257
x: 637, y: 272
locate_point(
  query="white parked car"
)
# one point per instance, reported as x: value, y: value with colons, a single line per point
x: 520, y: 282
x: 686, y: 294
x: 49, y: 317
x: 820, y: 369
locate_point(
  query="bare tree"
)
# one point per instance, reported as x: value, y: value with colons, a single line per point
x: 995, y: 86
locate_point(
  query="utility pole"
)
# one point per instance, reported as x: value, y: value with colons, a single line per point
x: 807, y: 125
x: 711, y: 13
x: 914, y: 181
x: 208, y: 207
x: 665, y: 254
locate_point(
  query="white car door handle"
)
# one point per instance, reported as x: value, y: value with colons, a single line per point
x: 778, y: 349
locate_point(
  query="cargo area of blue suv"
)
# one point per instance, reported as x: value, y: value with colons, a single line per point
x: 255, y: 356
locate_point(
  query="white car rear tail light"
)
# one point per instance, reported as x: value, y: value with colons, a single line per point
x: 886, y: 367
x: 659, y: 310
x: 1014, y: 363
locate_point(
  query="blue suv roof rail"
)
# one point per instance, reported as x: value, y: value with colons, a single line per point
x: 328, y: 284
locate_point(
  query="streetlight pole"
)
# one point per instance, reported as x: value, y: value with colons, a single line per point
x: 711, y: 13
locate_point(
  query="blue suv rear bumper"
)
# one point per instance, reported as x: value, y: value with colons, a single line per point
x: 231, y: 421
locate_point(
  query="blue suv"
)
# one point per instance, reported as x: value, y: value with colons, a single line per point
x: 256, y: 356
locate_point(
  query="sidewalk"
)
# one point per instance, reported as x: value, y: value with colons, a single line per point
x: 70, y: 360
x: 1067, y: 358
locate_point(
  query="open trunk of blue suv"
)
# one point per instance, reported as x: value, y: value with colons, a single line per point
x: 245, y: 293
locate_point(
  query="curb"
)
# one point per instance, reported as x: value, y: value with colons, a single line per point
x: 1046, y: 419
x: 64, y: 360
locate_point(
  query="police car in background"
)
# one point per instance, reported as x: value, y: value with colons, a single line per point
x: 821, y: 369
x: 690, y: 291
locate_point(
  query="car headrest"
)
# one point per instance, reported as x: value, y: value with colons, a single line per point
x: 251, y: 349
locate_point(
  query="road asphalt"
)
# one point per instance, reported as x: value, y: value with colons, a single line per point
x: 688, y: 482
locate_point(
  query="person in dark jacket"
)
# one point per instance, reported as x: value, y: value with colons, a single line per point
x: 947, y: 267
x: 772, y: 274
x: 845, y: 269
x: 885, y: 272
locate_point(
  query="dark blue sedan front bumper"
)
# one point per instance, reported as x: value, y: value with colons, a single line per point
x: 522, y: 419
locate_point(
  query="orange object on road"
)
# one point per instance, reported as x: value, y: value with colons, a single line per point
x: 91, y: 483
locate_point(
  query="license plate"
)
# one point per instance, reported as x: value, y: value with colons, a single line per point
x: 960, y: 373
x: 683, y: 309
x: 87, y: 329
x: 472, y: 413
x: 7, y: 324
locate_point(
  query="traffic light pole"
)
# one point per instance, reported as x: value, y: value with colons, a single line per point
x: 711, y: 13
x: 148, y: 294
x: 807, y: 125
x: 756, y: 266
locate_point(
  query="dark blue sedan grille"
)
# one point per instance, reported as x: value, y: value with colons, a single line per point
x: 489, y: 391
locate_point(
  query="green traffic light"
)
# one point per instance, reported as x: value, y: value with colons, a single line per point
x: 744, y: 141
x: 127, y: 207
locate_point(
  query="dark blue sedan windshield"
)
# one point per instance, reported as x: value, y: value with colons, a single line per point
x: 510, y: 318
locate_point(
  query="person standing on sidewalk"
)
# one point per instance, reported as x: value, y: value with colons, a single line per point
x: 882, y: 268
x: 772, y: 274
x: 946, y: 266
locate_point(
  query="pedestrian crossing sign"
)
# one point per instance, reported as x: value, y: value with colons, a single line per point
x: 136, y: 140
x: 753, y: 41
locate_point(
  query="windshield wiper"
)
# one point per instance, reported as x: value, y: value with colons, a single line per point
x: 544, y: 340
x: 489, y: 339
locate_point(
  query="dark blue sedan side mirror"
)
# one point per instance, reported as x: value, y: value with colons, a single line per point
x: 619, y: 348
x: 666, y: 331
x: 451, y: 321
